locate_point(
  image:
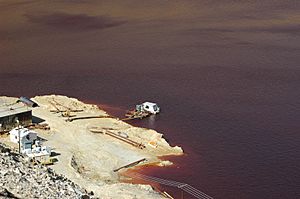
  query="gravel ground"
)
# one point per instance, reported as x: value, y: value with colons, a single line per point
x: 19, y: 179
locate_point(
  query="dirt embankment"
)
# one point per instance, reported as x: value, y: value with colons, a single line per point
x: 89, y: 158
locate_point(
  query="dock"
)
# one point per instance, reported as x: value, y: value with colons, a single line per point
x: 131, y: 115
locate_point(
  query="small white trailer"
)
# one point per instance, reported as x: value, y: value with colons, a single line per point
x: 150, y: 107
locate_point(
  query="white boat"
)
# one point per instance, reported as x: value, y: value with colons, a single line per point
x: 150, y: 107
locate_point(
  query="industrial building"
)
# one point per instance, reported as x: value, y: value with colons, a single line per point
x: 14, y: 114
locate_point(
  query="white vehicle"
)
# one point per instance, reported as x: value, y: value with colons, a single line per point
x: 148, y: 107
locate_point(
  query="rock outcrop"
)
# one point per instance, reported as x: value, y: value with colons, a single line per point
x: 20, y: 179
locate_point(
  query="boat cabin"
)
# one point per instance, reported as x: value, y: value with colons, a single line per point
x: 148, y: 107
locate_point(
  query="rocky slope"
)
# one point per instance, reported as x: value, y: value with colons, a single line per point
x: 19, y: 179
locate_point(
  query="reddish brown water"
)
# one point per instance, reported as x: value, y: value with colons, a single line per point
x: 226, y: 74
x: 239, y: 130
x: 245, y: 164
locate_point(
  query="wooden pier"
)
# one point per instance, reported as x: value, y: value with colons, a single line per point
x: 131, y: 115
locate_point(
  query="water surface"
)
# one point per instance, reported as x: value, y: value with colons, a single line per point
x: 225, y: 73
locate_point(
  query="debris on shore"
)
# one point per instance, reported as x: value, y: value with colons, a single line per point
x: 90, y: 145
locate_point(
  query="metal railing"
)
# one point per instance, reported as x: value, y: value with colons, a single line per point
x: 183, y: 186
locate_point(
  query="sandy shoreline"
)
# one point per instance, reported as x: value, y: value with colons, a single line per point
x: 89, y: 158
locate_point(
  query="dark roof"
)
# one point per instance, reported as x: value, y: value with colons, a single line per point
x: 17, y: 108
